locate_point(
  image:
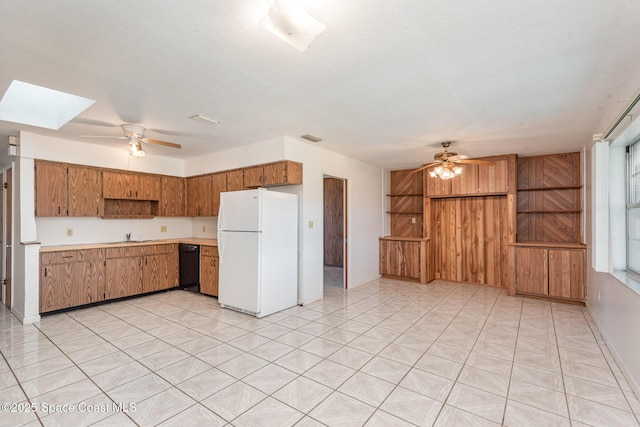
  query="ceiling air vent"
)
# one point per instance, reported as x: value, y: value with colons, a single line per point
x: 311, y: 138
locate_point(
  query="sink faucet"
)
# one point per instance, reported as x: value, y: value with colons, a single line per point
x: 128, y: 237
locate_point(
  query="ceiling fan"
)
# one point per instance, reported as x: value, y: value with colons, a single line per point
x: 447, y: 163
x: 135, y: 135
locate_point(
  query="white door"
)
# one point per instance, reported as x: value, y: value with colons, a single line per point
x: 239, y: 270
x: 239, y: 211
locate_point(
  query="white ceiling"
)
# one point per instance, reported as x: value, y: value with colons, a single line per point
x: 385, y: 83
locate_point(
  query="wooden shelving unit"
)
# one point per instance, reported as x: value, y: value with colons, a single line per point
x: 405, y: 203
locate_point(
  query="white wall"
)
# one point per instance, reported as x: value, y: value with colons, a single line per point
x: 365, y: 220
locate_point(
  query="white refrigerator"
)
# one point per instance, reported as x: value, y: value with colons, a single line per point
x: 258, y: 248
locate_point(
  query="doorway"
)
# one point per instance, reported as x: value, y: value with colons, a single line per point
x: 335, y: 232
x: 5, y: 226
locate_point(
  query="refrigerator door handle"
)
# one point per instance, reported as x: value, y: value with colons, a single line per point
x: 220, y: 245
x: 221, y: 215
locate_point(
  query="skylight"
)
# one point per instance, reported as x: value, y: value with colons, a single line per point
x: 40, y: 106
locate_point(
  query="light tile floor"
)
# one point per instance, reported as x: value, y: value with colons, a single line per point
x: 387, y: 353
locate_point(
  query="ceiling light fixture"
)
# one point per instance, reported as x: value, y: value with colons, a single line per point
x: 136, y: 147
x: 204, y: 119
x: 290, y: 22
x: 446, y: 170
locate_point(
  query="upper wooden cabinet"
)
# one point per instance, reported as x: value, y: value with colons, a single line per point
x: 51, y: 188
x: 63, y: 189
x: 200, y: 196
x: 219, y: 185
x: 172, y: 196
x: 285, y: 172
x: 84, y: 191
x: 130, y: 186
x: 235, y: 180
x: 498, y: 178
x: 67, y: 190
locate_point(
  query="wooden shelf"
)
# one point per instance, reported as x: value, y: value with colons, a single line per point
x: 569, y: 187
x: 553, y: 212
x: 405, y: 195
x: 451, y: 196
x: 405, y: 213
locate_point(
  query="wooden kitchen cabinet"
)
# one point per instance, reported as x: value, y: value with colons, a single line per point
x: 253, y: 177
x: 67, y: 190
x: 219, y: 186
x: 235, y: 180
x: 285, y: 172
x: 546, y: 269
x: 209, y: 270
x: 200, y: 195
x: 124, y: 277
x: 172, y: 196
x: 130, y: 186
x: 405, y: 258
x: 84, y: 191
x: 71, y: 278
x: 51, y: 188
x: 123, y: 271
x: 160, y: 268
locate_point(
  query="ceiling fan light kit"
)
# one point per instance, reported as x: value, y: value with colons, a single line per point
x: 292, y: 24
x: 445, y: 164
x: 136, y: 147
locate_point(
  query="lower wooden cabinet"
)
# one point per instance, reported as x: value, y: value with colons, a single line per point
x: 209, y: 270
x: 550, y: 270
x: 124, y: 277
x: 71, y: 278
x: 160, y: 269
x: 405, y: 258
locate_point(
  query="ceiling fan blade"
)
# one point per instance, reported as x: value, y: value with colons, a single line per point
x: 423, y: 167
x: 103, y: 136
x: 474, y: 162
x: 157, y: 142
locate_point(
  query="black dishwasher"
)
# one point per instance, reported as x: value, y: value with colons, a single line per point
x: 189, y: 266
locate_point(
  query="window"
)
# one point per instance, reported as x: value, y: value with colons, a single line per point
x: 633, y: 208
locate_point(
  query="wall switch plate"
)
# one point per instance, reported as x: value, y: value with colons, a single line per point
x: 203, y: 228
x: 310, y: 224
x: 413, y: 220
x: 163, y: 228
x: 598, y: 295
x: 69, y: 232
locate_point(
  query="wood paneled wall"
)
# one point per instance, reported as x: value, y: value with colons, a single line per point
x: 334, y: 222
x: 469, y: 237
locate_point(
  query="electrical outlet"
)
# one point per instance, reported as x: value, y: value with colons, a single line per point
x: 413, y: 220
x: 69, y: 232
x: 598, y: 295
x: 310, y: 224
x: 163, y: 228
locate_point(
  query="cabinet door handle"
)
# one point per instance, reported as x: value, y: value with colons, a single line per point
x: 58, y: 210
x: 45, y: 272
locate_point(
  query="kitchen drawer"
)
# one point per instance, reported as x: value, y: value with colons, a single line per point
x: 209, y: 251
x: 160, y: 249
x: 63, y: 257
x: 125, y: 251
